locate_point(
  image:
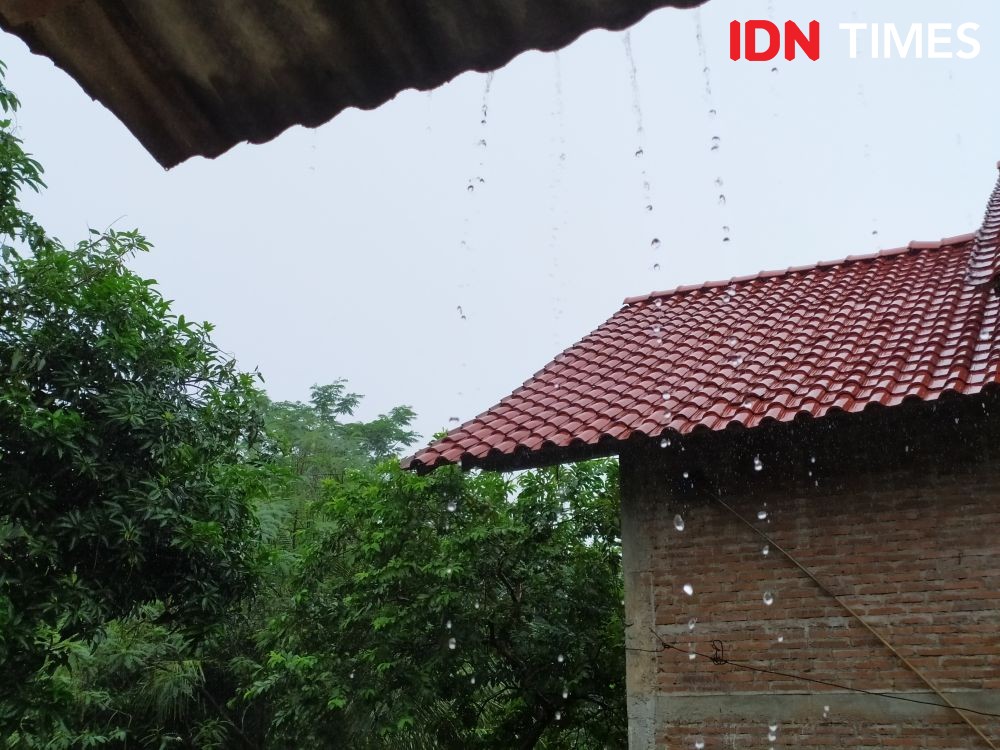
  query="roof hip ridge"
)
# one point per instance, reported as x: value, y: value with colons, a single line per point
x: 984, y: 261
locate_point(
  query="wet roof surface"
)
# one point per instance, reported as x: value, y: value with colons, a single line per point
x: 189, y: 77
x: 909, y: 323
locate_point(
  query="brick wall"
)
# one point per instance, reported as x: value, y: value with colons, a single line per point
x: 897, y: 513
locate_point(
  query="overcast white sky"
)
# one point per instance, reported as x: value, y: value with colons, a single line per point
x: 338, y: 252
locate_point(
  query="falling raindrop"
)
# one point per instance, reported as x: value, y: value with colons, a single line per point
x: 781, y: 639
x: 472, y: 680
x: 565, y: 693
x: 352, y: 675
x: 448, y: 625
x: 649, y: 207
x: 453, y: 420
x: 761, y: 515
x: 558, y: 715
x: 686, y: 475
x: 732, y: 341
x: 476, y: 605
x: 481, y: 143
x: 716, y: 142
x: 656, y: 330
x: 774, y: 70
x: 773, y: 727
x: 654, y: 243
x: 768, y: 598
x: 758, y: 465
x: 679, y: 522
x: 656, y: 266
x: 639, y: 153
x: 772, y: 736
x: 470, y: 187
x: 688, y: 589
x: 452, y: 644
x: 659, y: 303
x: 692, y: 656
x: 699, y: 744
x: 560, y: 658
x: 452, y: 506
x: 766, y: 550
x: 826, y: 711
x: 722, y: 199
x: 725, y: 234
x: 461, y: 313
x: 692, y: 623
x: 666, y: 395
x: 665, y: 443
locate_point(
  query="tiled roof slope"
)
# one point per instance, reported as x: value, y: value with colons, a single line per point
x: 912, y: 322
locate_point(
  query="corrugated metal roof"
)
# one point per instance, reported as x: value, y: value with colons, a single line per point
x: 190, y: 77
x: 909, y: 323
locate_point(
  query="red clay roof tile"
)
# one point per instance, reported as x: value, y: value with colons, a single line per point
x: 910, y: 322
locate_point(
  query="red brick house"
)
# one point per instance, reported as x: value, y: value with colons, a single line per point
x: 810, y: 487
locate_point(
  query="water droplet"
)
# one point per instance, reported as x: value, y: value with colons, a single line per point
x: 448, y: 625
x: 712, y: 112
x: 691, y: 623
x: 470, y: 187
x: 761, y: 515
x: 558, y: 715
x: 452, y: 644
x: 688, y: 589
x: 732, y: 341
x: 649, y: 207
x: 771, y: 736
x: 639, y: 153
x: 560, y: 658
x: 768, y: 598
x: 453, y: 420
x: 654, y: 243
x: 452, y: 506
x: 666, y: 395
x: 781, y: 639
x: 679, y: 522
x: 656, y: 266
x: 352, y: 675
x: 692, y: 657
x: 659, y: 303
x: 774, y: 70
x: 482, y: 143
x: 722, y: 199
x: 461, y: 313
x: 476, y: 605
x: 665, y: 443
x: 716, y: 142
x: 719, y: 182
x: 472, y: 680
x: 686, y: 475
x: 565, y: 693
x: 874, y: 233
x: 656, y: 330
x: 699, y: 745
x: 758, y: 465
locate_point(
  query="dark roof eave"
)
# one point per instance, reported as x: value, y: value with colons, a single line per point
x: 196, y: 79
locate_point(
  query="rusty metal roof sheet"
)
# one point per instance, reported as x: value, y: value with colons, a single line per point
x: 914, y: 322
x: 190, y: 77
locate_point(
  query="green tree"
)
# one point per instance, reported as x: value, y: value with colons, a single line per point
x: 127, y: 474
x: 453, y: 611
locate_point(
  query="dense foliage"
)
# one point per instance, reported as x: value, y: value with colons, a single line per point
x: 126, y: 479
x: 186, y: 564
